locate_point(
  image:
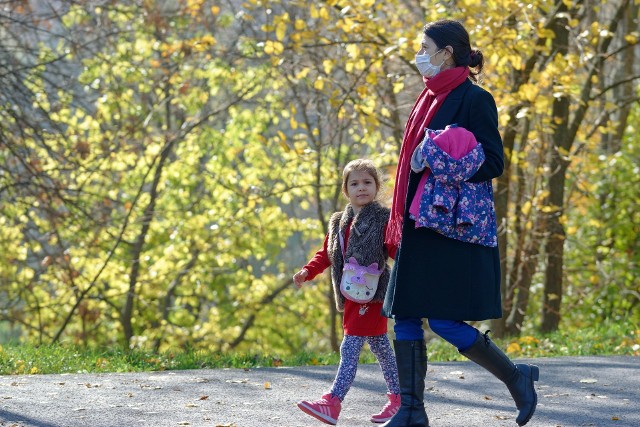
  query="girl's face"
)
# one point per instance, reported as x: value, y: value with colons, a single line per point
x: 361, y: 189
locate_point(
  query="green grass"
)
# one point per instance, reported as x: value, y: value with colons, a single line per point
x: 606, y: 339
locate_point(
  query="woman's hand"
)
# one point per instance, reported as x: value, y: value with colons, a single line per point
x: 300, y: 277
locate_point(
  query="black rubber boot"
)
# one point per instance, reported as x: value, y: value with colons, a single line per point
x: 411, y: 357
x: 519, y: 378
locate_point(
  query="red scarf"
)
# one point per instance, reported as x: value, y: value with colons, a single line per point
x: 433, y: 95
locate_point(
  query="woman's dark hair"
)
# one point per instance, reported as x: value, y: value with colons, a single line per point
x: 446, y: 32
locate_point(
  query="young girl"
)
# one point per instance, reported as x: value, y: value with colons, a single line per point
x: 361, y: 228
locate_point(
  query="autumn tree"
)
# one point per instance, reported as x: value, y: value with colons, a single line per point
x: 168, y: 165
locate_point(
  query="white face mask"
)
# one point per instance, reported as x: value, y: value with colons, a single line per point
x: 425, y: 67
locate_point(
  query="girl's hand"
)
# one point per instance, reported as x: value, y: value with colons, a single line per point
x: 300, y: 277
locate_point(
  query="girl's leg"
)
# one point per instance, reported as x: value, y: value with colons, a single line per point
x: 381, y: 348
x: 456, y: 332
x: 349, y: 355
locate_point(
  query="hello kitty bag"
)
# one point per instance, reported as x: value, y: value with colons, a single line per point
x: 359, y: 283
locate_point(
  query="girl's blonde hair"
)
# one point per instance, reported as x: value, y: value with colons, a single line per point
x: 361, y: 165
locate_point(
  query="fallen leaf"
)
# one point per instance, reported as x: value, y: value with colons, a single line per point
x: 589, y: 381
x: 191, y: 405
x: 615, y: 418
x: 267, y: 385
x: 487, y: 398
x: 238, y: 381
x: 203, y: 397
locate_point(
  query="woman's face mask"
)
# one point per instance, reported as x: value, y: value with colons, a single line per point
x: 425, y: 67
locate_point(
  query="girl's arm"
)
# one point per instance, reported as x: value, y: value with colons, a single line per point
x: 319, y: 263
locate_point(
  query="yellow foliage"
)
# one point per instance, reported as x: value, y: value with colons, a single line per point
x: 353, y: 50
x: 281, y: 29
x: 324, y: 13
x: 327, y: 65
x: 631, y: 38
x: 301, y: 75
x: 529, y: 91
x: 595, y: 223
x: 272, y: 47
x: 529, y: 340
x: 514, y: 347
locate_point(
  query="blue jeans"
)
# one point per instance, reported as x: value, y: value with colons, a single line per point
x: 456, y: 332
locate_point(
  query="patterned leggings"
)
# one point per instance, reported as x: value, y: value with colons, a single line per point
x: 349, y: 355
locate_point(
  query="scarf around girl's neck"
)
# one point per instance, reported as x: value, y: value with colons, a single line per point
x: 431, y: 98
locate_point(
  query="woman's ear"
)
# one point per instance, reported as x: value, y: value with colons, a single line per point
x: 450, y: 59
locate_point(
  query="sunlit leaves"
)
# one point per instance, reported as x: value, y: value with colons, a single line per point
x: 273, y: 47
x: 257, y: 110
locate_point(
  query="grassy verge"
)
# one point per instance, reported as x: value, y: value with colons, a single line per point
x: 606, y: 339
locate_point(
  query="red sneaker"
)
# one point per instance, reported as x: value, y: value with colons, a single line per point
x: 389, y: 410
x: 327, y: 409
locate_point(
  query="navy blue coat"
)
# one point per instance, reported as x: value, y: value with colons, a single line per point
x: 441, y: 278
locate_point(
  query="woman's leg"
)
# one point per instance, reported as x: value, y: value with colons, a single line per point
x: 519, y: 378
x: 349, y: 356
x: 408, y: 329
x: 456, y: 332
x: 381, y: 348
x: 411, y: 358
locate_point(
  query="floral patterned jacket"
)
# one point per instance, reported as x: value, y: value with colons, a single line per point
x: 445, y: 201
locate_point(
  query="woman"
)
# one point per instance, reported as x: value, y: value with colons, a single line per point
x: 448, y: 277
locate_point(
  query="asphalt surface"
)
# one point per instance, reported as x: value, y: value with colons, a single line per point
x: 583, y: 391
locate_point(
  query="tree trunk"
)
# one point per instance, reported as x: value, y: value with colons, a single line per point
x: 564, y: 134
x: 526, y: 246
x: 559, y: 149
x: 136, y: 252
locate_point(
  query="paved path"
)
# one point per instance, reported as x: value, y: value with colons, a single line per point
x: 573, y: 392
